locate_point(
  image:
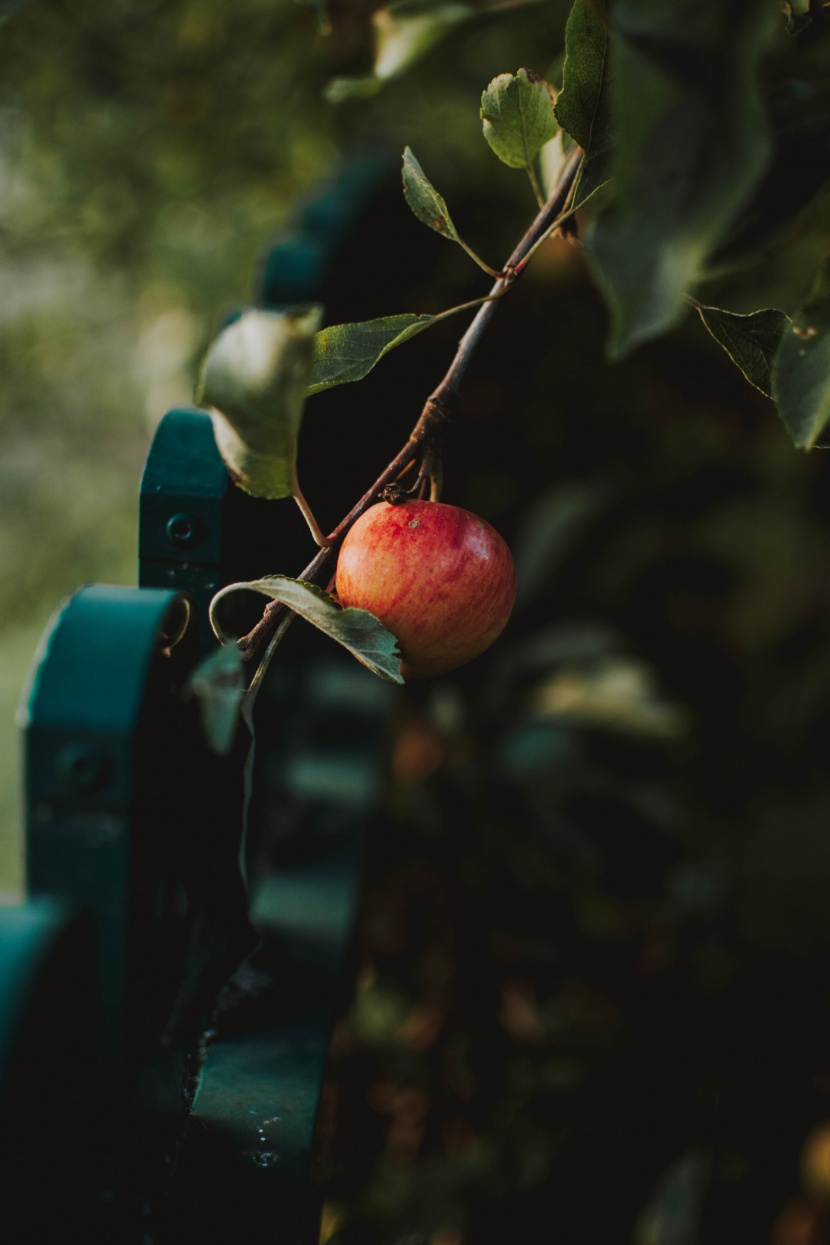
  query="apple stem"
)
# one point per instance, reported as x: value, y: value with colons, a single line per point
x: 424, y: 443
x: 308, y: 515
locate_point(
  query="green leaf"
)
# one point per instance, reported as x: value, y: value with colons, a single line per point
x: 254, y: 378
x: 583, y: 107
x: 403, y: 33
x: 406, y: 31
x: 674, y: 1211
x: 798, y: 113
x: 218, y: 683
x: 430, y: 208
x: 348, y: 352
x: 424, y: 199
x: 801, y: 371
x: 750, y: 340
x: 798, y: 16
x: 692, y: 146
x: 357, y: 630
x: 517, y: 117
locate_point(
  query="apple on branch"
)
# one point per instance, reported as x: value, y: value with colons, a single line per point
x: 438, y: 577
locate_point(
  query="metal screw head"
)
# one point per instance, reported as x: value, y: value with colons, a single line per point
x: 83, y: 768
x: 183, y: 530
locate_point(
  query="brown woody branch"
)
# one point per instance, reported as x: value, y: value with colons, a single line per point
x: 425, y: 439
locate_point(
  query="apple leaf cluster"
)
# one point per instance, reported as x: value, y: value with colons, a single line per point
x: 676, y: 119
x: 687, y: 133
x: 706, y: 126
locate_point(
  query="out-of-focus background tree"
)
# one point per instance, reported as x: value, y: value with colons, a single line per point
x: 593, y: 957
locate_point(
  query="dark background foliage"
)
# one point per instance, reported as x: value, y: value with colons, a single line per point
x: 592, y: 995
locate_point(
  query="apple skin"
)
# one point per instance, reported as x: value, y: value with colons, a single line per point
x: 438, y: 577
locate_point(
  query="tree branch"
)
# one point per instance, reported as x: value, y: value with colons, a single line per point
x: 425, y: 438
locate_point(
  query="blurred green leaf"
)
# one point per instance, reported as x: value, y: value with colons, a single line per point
x: 218, y: 683
x: 750, y: 340
x: 672, y: 1216
x: 551, y: 527
x: 615, y: 694
x: 403, y: 33
x: 406, y: 31
x: 798, y: 16
x: 798, y: 113
x: 801, y: 370
x: 517, y: 117
x: 692, y: 146
x: 582, y: 107
x: 254, y: 378
x: 357, y: 630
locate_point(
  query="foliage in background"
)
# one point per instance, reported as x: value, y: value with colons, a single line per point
x: 148, y: 155
x: 595, y: 938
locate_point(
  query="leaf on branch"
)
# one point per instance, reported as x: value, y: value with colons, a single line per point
x: 424, y: 199
x: 357, y: 630
x: 801, y: 371
x: 750, y: 340
x: 347, y: 352
x: 254, y: 380
x: 583, y: 108
x: 218, y: 683
x: 517, y: 117
x: 429, y: 206
x: 692, y: 145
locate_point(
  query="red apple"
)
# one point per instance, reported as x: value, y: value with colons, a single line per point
x: 438, y: 577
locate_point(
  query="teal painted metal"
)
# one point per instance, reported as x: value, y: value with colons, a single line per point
x: 182, y: 1132
x: 47, y: 990
x: 250, y: 1164
x: 87, y: 761
x: 132, y: 821
x: 300, y: 265
x: 197, y: 531
x: 27, y: 935
x: 121, y: 794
